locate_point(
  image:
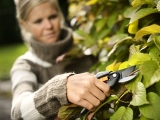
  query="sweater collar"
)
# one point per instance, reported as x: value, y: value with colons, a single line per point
x: 49, y: 52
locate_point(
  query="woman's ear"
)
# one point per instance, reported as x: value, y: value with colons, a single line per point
x: 23, y: 25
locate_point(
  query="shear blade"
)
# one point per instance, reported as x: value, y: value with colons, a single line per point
x: 125, y: 79
x: 126, y: 72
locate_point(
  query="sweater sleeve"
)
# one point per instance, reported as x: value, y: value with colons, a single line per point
x: 31, y: 103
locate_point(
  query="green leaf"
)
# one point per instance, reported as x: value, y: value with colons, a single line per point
x: 157, y: 41
x: 149, y: 70
x: 156, y: 77
x: 152, y: 109
x: 88, y: 41
x: 133, y: 49
x: 144, y: 118
x: 152, y: 29
x: 139, y: 95
x: 103, y: 33
x: 158, y: 6
x: 142, y: 13
x: 112, y: 19
x: 69, y: 112
x: 130, y: 11
x: 91, y: 2
x: 117, y: 38
x: 154, y: 53
x: 118, y: 46
x: 136, y: 3
x: 138, y: 58
x: 132, y: 85
x: 100, y: 23
x: 123, y: 114
x: 123, y: 65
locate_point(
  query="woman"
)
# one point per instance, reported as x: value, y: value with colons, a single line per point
x: 42, y: 79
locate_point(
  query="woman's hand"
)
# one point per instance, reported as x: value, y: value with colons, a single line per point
x: 86, y: 90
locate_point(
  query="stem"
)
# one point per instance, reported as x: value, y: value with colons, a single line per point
x: 119, y: 100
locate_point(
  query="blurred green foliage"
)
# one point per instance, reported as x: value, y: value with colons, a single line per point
x: 8, y: 54
x: 121, y: 33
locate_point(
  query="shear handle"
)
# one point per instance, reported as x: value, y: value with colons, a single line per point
x: 113, y: 80
x: 102, y: 74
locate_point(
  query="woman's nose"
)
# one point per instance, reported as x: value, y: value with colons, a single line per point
x: 48, y: 24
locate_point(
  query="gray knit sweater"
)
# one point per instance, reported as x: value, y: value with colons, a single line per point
x: 39, y: 82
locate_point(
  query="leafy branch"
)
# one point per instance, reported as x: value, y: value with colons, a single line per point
x: 121, y: 34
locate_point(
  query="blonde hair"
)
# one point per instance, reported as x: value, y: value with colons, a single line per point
x: 24, y: 7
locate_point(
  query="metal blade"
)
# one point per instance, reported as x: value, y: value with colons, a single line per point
x: 126, y: 72
x: 125, y: 79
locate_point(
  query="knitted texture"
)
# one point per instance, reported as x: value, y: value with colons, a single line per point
x: 52, y: 95
x: 49, y: 52
x: 42, y: 103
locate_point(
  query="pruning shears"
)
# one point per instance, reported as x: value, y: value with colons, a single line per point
x: 113, y: 78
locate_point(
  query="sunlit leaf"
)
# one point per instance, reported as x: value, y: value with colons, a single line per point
x: 157, y: 41
x: 130, y: 11
x: 132, y: 85
x: 158, y: 6
x: 123, y: 114
x: 142, y: 13
x: 136, y: 3
x: 133, y: 49
x: 133, y: 27
x: 123, y: 65
x: 155, y: 53
x: 73, y: 9
x: 139, y: 95
x: 138, y: 58
x: 113, y: 67
x: 152, y: 109
x: 152, y: 29
x: 156, y: 77
x: 149, y: 70
x: 91, y: 2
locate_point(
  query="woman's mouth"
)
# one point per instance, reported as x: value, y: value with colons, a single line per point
x: 50, y: 35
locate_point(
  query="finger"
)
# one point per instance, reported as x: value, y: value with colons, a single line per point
x: 98, y: 93
x: 103, y: 87
x: 92, y: 99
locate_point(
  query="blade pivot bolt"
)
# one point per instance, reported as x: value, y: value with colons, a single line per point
x: 114, y: 75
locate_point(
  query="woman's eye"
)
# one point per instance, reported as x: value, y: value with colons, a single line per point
x: 38, y: 21
x: 53, y: 16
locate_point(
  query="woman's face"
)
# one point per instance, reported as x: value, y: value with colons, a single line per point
x: 43, y: 23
